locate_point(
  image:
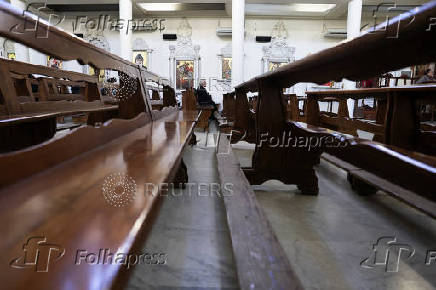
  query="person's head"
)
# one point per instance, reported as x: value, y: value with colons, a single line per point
x: 139, y: 60
x: 429, y: 73
x: 203, y: 83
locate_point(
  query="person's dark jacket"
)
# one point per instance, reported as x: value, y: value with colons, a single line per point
x: 203, y: 96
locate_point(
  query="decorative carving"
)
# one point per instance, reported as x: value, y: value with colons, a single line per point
x: 278, y: 52
x: 139, y: 44
x: 8, y: 46
x: 184, y: 50
x: 226, y: 51
x: 97, y: 38
x: 220, y: 85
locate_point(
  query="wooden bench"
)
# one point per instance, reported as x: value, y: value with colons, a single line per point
x: 295, y: 165
x: 55, y: 191
x: 371, y: 164
x: 31, y: 93
x: 395, y: 120
x: 189, y: 101
x: 168, y: 100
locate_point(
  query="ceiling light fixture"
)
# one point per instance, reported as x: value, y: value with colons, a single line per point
x: 294, y: 9
x: 306, y: 7
x: 160, y: 6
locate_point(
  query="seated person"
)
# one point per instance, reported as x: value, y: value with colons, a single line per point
x: 205, y: 99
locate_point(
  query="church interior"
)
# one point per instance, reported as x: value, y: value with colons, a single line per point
x: 223, y: 144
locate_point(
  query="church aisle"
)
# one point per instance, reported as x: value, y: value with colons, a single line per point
x: 191, y: 229
x: 327, y: 237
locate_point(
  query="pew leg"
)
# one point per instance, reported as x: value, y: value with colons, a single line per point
x: 308, y: 185
x: 359, y: 186
x: 193, y: 141
x: 181, y: 177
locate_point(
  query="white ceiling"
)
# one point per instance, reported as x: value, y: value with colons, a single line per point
x: 339, y: 12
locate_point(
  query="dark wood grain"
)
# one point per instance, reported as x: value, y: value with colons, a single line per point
x: 66, y: 205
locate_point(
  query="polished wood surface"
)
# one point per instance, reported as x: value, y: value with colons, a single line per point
x: 45, y: 110
x: 65, y: 204
x: 171, y: 114
x: 189, y: 100
x: 371, y: 92
x: 41, y: 157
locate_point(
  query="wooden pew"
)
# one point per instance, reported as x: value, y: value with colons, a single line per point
x: 189, y: 101
x: 71, y: 209
x: 295, y: 165
x: 52, y: 95
x: 169, y: 97
x: 395, y: 115
x: 371, y: 164
x: 54, y: 192
x: 229, y: 107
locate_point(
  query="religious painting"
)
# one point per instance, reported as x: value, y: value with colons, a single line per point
x: 227, y: 68
x: 273, y: 65
x: 184, y: 74
x: 54, y: 63
x: 140, y: 58
x: 102, y: 75
x: 12, y: 56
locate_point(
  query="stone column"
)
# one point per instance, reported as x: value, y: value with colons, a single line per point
x: 238, y: 31
x: 126, y: 33
x: 353, y: 30
x: 21, y: 51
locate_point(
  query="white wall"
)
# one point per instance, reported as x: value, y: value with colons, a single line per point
x: 305, y: 35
